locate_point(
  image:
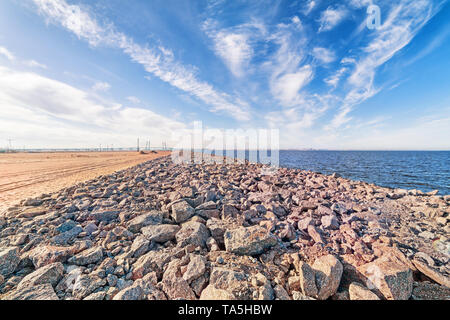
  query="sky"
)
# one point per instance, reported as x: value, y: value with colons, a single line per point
x: 80, y: 73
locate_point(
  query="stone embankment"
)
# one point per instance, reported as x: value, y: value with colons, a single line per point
x: 165, y: 231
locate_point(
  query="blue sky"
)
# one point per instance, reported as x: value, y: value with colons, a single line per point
x: 78, y: 73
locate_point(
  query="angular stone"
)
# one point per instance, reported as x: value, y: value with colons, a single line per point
x: 218, y: 227
x: 174, y: 285
x: 315, y: 234
x: 182, y: 211
x: 66, y: 237
x: 249, y: 241
x: 160, y: 233
x: 9, y: 260
x: 51, y: 273
x: 307, y: 279
x: 151, y: 261
x: 151, y: 218
x: 104, y: 215
x: 44, y: 255
x: 195, y: 268
x: 330, y: 222
x: 430, y: 291
x: 86, y: 284
x: 359, y: 292
x: 139, y: 247
x: 32, y: 212
x: 431, y: 272
x: 390, y: 278
x: 89, y: 256
x: 212, y: 293
x: 39, y: 292
x: 194, y: 233
x: 134, y: 292
x: 328, y: 272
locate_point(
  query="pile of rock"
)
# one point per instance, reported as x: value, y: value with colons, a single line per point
x: 165, y: 231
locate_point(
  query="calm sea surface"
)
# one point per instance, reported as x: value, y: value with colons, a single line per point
x: 422, y: 170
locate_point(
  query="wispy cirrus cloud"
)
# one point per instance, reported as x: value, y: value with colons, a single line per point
x: 331, y: 17
x: 404, y: 20
x: 324, y: 55
x: 101, y: 86
x: 7, y: 54
x: 156, y: 60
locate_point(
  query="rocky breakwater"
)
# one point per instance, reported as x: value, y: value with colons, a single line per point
x: 166, y: 231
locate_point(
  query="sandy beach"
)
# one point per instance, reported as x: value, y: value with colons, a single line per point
x: 25, y: 175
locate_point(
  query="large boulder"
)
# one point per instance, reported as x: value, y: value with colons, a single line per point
x: 160, y: 233
x: 328, y: 272
x: 358, y: 292
x: 307, y: 279
x: 39, y: 292
x: 89, y: 256
x: 249, y: 241
x: 51, y: 273
x: 194, y: 233
x: 392, y: 279
x: 182, y: 211
x: 151, y: 218
x: 426, y: 266
x: 9, y: 260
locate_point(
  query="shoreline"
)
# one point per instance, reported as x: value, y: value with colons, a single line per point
x: 172, y: 231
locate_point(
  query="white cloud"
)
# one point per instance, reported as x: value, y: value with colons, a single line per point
x: 403, y: 22
x: 6, y: 53
x: 101, y: 86
x: 309, y: 7
x: 324, y: 55
x: 235, y: 51
x: 286, y: 87
x: 134, y: 100
x: 334, y: 79
x: 34, y: 64
x: 43, y: 112
x: 331, y: 18
x: 155, y: 60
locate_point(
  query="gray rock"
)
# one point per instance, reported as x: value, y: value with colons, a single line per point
x: 194, y: 233
x: 307, y: 279
x: 359, y: 292
x: 160, y: 233
x: 151, y: 218
x: 182, y: 211
x: 195, y: 268
x: 104, y: 215
x: 51, y: 273
x: 9, y: 260
x: 39, y: 292
x: 89, y: 256
x: 328, y: 271
x: 68, y: 236
x: 249, y: 241
x: 394, y: 280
